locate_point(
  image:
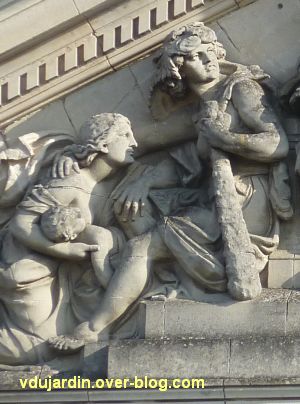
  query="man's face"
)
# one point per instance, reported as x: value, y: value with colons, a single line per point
x: 121, y: 148
x: 201, y: 65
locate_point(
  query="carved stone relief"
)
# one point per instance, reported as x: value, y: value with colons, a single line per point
x: 290, y: 99
x: 82, y: 242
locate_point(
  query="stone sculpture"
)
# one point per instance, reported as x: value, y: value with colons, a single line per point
x: 170, y: 211
x: 44, y: 290
x: 190, y: 62
x: 290, y: 93
x: 235, y: 117
x: 210, y: 206
x: 290, y: 99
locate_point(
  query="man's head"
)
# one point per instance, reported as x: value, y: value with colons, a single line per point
x: 190, y: 55
x: 60, y: 223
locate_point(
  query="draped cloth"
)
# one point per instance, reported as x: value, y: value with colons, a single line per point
x: 40, y: 296
x: 22, y: 158
x: 189, y: 221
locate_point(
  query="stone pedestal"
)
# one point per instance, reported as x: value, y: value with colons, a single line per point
x: 218, y: 339
x: 237, y: 358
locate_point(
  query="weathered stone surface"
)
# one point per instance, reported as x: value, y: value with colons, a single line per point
x: 260, y: 381
x: 293, y: 314
x: 281, y: 254
x: 188, y: 357
x: 158, y: 396
x: 248, y: 358
x: 143, y: 73
x: 55, y: 16
x: 95, y: 360
x: 126, y: 98
x: 263, y: 316
x: 261, y: 357
x: 296, y: 273
x: 239, y: 35
x: 194, y: 240
x: 241, y: 267
x: 10, y: 379
x: 39, y: 397
x: 53, y: 117
x: 103, y: 95
x: 154, y: 319
x: 87, y: 5
x: 281, y: 273
x: 262, y: 392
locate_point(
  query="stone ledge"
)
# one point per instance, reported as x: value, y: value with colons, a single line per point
x: 246, y: 358
x: 208, y: 395
x: 15, y: 17
x: 275, y: 313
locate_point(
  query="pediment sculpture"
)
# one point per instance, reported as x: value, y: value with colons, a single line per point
x: 289, y: 95
x: 79, y: 251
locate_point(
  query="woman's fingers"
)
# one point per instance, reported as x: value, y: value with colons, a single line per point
x: 85, y: 248
x: 126, y: 210
x: 129, y: 209
x: 92, y: 247
x: 54, y: 165
x: 119, y: 203
x: 68, y: 165
x: 61, y: 167
x: 134, y: 209
x: 142, y: 205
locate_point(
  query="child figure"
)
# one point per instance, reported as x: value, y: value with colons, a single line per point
x: 65, y: 224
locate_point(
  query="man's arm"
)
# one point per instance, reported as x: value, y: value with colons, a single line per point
x: 267, y: 141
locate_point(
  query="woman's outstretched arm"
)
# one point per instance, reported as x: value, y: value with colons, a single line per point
x: 25, y: 227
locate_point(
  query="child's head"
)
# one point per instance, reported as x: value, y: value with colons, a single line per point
x: 61, y: 223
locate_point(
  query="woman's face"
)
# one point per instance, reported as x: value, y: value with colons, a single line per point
x: 121, y: 148
x: 201, y: 65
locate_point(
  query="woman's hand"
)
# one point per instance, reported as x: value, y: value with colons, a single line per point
x: 131, y: 200
x: 63, y: 165
x: 76, y: 251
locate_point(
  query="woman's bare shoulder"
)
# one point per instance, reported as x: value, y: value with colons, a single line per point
x: 65, y: 189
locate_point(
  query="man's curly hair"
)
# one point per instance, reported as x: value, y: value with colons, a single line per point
x: 177, y: 45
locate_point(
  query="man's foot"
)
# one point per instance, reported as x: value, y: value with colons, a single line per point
x: 66, y: 344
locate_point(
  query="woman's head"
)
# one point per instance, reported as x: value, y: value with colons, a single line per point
x: 190, y: 54
x: 108, y: 134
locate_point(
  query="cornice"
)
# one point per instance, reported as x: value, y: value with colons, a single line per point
x: 92, y: 39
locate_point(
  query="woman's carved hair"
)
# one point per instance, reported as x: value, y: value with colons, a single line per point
x: 179, y: 44
x: 94, y: 134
